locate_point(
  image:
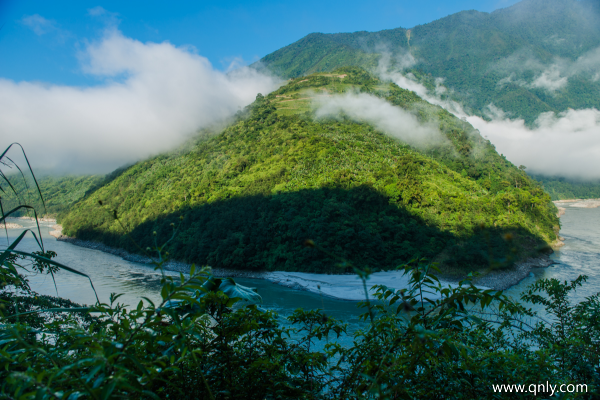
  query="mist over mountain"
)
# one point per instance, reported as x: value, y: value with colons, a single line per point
x: 526, y: 76
x: 361, y: 166
x: 534, y: 57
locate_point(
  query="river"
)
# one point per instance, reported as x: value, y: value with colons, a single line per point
x: 112, y: 274
x: 579, y: 256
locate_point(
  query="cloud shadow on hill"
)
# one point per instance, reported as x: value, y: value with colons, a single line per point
x: 267, y: 232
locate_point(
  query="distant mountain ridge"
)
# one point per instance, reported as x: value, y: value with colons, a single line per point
x: 535, y: 56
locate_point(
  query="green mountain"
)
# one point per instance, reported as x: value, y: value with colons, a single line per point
x: 60, y: 193
x: 563, y: 188
x: 536, y: 56
x: 249, y: 196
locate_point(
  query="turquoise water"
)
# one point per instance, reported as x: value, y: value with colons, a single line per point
x: 579, y: 256
x: 111, y: 274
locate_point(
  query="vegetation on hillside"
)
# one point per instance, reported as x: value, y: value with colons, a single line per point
x: 483, y: 58
x: 249, y: 196
x: 207, y: 338
x: 60, y: 193
x: 563, y: 189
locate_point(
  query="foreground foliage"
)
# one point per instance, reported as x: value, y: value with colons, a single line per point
x: 428, y: 341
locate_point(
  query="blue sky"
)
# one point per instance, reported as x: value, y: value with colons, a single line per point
x: 90, y: 85
x: 42, y: 40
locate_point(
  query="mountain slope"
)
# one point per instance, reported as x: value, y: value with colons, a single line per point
x: 563, y: 189
x: 60, y: 193
x: 515, y: 58
x: 249, y: 196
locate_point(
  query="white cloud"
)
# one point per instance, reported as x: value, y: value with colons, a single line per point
x: 510, y: 80
x: 97, y: 11
x: 589, y: 62
x: 38, y: 24
x: 554, y: 77
x: 405, y: 81
x: 155, y: 96
x: 551, y: 79
x: 505, y: 81
x: 567, y: 144
x: 385, y: 117
x: 109, y: 18
x: 409, y: 82
x: 440, y: 89
x: 405, y: 61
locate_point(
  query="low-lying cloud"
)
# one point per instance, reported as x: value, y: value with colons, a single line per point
x: 385, y: 117
x: 409, y: 82
x: 553, y: 77
x: 567, y: 144
x: 153, y: 97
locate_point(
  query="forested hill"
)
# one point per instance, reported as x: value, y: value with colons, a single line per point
x: 59, y: 192
x: 248, y: 197
x: 563, y: 189
x: 533, y: 57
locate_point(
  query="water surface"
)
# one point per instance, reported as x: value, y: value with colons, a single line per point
x: 579, y: 256
x: 112, y: 274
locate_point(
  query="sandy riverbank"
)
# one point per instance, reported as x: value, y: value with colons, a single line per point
x: 563, y: 205
x: 10, y: 225
x: 57, y: 231
x: 41, y: 219
x: 347, y: 287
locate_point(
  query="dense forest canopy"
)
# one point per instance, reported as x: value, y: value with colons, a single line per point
x: 511, y: 57
x: 60, y: 193
x: 563, y: 189
x: 249, y: 196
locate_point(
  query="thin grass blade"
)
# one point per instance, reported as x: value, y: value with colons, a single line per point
x: 61, y: 266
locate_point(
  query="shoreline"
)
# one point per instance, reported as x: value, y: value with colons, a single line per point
x: 505, y: 279
x: 41, y: 219
x: 10, y: 225
x: 563, y: 205
x: 342, y: 287
x: 170, y: 265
